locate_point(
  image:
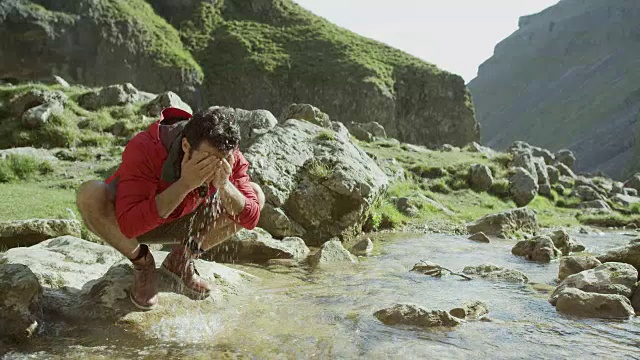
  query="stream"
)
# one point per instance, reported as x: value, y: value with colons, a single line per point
x: 325, y: 314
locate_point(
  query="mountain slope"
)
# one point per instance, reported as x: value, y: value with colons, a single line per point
x: 567, y: 78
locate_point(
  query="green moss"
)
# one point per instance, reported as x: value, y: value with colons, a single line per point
x: 326, y: 135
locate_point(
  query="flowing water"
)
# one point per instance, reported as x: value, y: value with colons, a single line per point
x: 295, y: 313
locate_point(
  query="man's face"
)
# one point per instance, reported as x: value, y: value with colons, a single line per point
x: 207, y: 150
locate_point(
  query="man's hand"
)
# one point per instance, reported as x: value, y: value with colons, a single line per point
x: 222, y: 172
x: 197, y: 170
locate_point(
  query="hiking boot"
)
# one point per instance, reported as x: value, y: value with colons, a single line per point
x: 144, y: 292
x: 179, y: 265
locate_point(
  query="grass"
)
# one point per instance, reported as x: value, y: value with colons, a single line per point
x: 609, y: 219
x: 33, y: 200
x: 319, y: 170
x: 326, y: 136
x: 18, y: 167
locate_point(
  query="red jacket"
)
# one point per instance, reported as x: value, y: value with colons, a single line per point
x: 142, y: 175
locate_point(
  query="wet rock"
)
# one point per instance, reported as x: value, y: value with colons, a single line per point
x: 332, y: 252
x: 472, y: 310
x: 570, y: 265
x: 629, y: 254
x: 565, y: 170
x: 480, y: 177
x: 21, y: 294
x: 566, y: 157
x: 88, y: 282
x: 493, y: 272
x: 608, y: 278
x: 253, y: 124
x: 414, y: 315
x: 325, y: 186
x: 626, y: 200
x: 30, y: 232
x: 257, y: 245
x: 480, y: 237
x: 507, y: 222
x: 540, y: 249
x: 595, y: 204
x: 33, y: 98
x: 363, y: 247
x: 113, y: 95
x: 586, y: 193
x: 428, y: 268
x: 586, y: 304
x: 280, y: 225
x: 563, y: 241
x: 522, y: 186
x: 39, y: 115
x: 308, y: 113
x: 162, y: 101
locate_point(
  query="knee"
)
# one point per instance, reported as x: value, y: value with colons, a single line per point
x: 91, y: 195
x: 259, y: 192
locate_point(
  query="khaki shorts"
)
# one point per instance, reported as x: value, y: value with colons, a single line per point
x: 174, y: 232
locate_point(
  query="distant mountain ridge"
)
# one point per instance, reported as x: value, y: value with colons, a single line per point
x: 567, y: 78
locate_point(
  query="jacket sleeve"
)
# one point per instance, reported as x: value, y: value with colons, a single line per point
x: 136, y: 209
x: 249, y: 216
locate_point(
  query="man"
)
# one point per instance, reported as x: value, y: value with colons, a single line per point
x: 159, y: 195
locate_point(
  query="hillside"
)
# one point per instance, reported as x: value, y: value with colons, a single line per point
x: 256, y: 54
x: 567, y: 78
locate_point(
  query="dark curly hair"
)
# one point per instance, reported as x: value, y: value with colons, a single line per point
x: 216, y: 126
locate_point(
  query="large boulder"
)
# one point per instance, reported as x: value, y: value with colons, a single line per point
x: 587, y: 304
x: 494, y: 272
x: 39, y: 115
x: 480, y: 177
x: 565, y: 170
x: 548, y: 156
x: 633, y: 182
x: 629, y: 254
x: 321, y: 181
x: 526, y: 161
x: 162, y: 101
x: 540, y: 249
x: 112, y: 95
x: 523, y: 187
x: 566, y: 157
x: 413, y: 315
x: 306, y: 112
x: 30, y: 232
x: 253, y: 124
x: 608, y: 278
x: 470, y: 310
x: 332, y: 252
x: 258, y: 246
x: 563, y: 241
x: 586, y: 193
x: 554, y: 174
x: 33, y: 98
x: 505, y: 223
x: 570, y: 265
x: 88, y: 282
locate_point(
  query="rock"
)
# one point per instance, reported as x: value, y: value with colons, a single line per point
x: 374, y: 129
x: 609, y: 278
x: 629, y: 254
x: 545, y: 154
x: 617, y: 188
x: 595, y: 204
x: 570, y: 265
x: 428, y: 268
x: 635, y: 299
x: 565, y: 170
x: 405, y: 205
x: 415, y: 148
x: 519, y: 146
x: 559, y: 189
x: 626, y: 200
x: 477, y: 148
x: 523, y: 187
x: 39, y: 154
x: 630, y: 192
x: 253, y: 124
x: 493, y: 272
x: 361, y: 134
x: 540, y: 249
x: 163, y: 101
x: 40, y: 115
x: 33, y: 98
x: 633, y: 182
x: 480, y: 237
x: 449, y: 148
x: 369, y: 131
x: 565, y: 243
x: 565, y: 181
x: 472, y: 310
x: 586, y: 304
x: 363, y: 247
x: 510, y: 221
x: 113, y: 95
x: 332, y: 252
x: 21, y: 294
x: 280, y: 225
x: 480, y: 177
x: 436, y: 205
x: 545, y: 190
x: 60, y: 81
x: 566, y: 157
x: 525, y: 160
x: 88, y: 282
x: 258, y: 246
x: 326, y: 187
x: 586, y: 193
x: 30, y: 232
x: 308, y: 113
x: 541, y: 171
x: 413, y: 315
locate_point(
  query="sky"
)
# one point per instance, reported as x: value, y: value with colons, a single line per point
x: 455, y: 35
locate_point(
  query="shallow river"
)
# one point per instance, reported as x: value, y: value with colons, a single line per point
x: 329, y: 314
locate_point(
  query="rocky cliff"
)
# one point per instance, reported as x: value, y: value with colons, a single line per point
x: 248, y: 54
x: 567, y: 78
